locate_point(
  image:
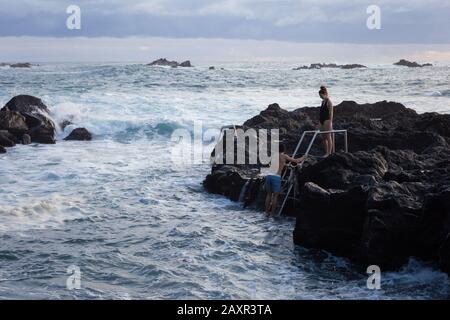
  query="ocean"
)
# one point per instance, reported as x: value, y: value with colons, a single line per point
x: 138, y: 226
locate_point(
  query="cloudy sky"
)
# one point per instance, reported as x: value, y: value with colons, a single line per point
x: 134, y: 30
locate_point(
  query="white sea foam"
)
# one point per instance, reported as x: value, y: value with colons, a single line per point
x: 38, y: 214
x: 132, y: 213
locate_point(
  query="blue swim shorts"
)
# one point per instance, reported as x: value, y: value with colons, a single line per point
x: 273, y: 184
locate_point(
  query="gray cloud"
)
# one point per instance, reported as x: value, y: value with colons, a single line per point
x: 338, y: 21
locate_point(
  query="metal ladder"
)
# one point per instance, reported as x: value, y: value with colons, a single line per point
x: 290, y: 170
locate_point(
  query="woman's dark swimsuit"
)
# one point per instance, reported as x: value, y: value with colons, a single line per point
x: 324, y: 112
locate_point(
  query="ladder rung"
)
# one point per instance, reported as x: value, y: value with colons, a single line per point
x: 289, y: 168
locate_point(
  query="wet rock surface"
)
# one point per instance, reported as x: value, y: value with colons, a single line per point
x: 40, y: 127
x: 385, y: 201
x: 26, y: 119
x: 174, y: 64
x: 79, y: 134
x: 411, y: 64
x: 16, y: 65
x: 20, y: 65
x: 318, y: 66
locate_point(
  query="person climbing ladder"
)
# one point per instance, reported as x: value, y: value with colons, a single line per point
x: 273, y: 181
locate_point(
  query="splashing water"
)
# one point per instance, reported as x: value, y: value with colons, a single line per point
x: 139, y: 227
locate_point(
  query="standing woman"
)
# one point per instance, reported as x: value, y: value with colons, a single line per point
x: 326, y: 120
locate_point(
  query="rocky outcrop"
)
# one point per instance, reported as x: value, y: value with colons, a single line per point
x: 386, y: 200
x: 325, y: 221
x: 315, y: 66
x: 16, y: 65
x: 79, y: 134
x: 25, y: 119
x: 174, y: 64
x: 13, y: 122
x: 227, y: 181
x: 20, y: 65
x: 41, y: 127
x: 353, y: 66
x: 164, y: 62
x: 406, y: 63
x: 7, y: 139
x: 186, y: 64
x: 26, y: 139
x: 27, y: 104
x: 64, y: 124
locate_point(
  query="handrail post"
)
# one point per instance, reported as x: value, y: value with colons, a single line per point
x: 299, y: 144
x: 333, y: 137
x: 296, y: 150
x: 311, y: 143
x: 291, y: 185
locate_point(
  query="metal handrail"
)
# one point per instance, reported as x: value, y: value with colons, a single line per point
x: 316, y: 133
x: 308, y: 150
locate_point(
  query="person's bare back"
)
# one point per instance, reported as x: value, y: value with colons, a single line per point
x: 273, y: 182
x: 283, y: 161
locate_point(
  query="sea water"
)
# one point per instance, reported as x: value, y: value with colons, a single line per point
x: 137, y: 226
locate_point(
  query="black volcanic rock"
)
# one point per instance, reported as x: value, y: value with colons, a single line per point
x: 392, y: 223
x: 345, y: 170
x: 20, y: 65
x: 16, y: 65
x: 63, y: 125
x: 79, y: 134
x: 406, y: 63
x: 324, y: 221
x: 227, y: 181
x: 186, y: 64
x: 2, y: 150
x: 26, y: 104
x: 353, y: 66
x: 42, y: 134
x: 163, y: 62
x: 25, y: 119
x: 166, y: 63
x: 385, y: 201
x: 13, y: 122
x: 318, y: 66
x: 41, y: 127
x: 7, y: 139
x: 26, y: 139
